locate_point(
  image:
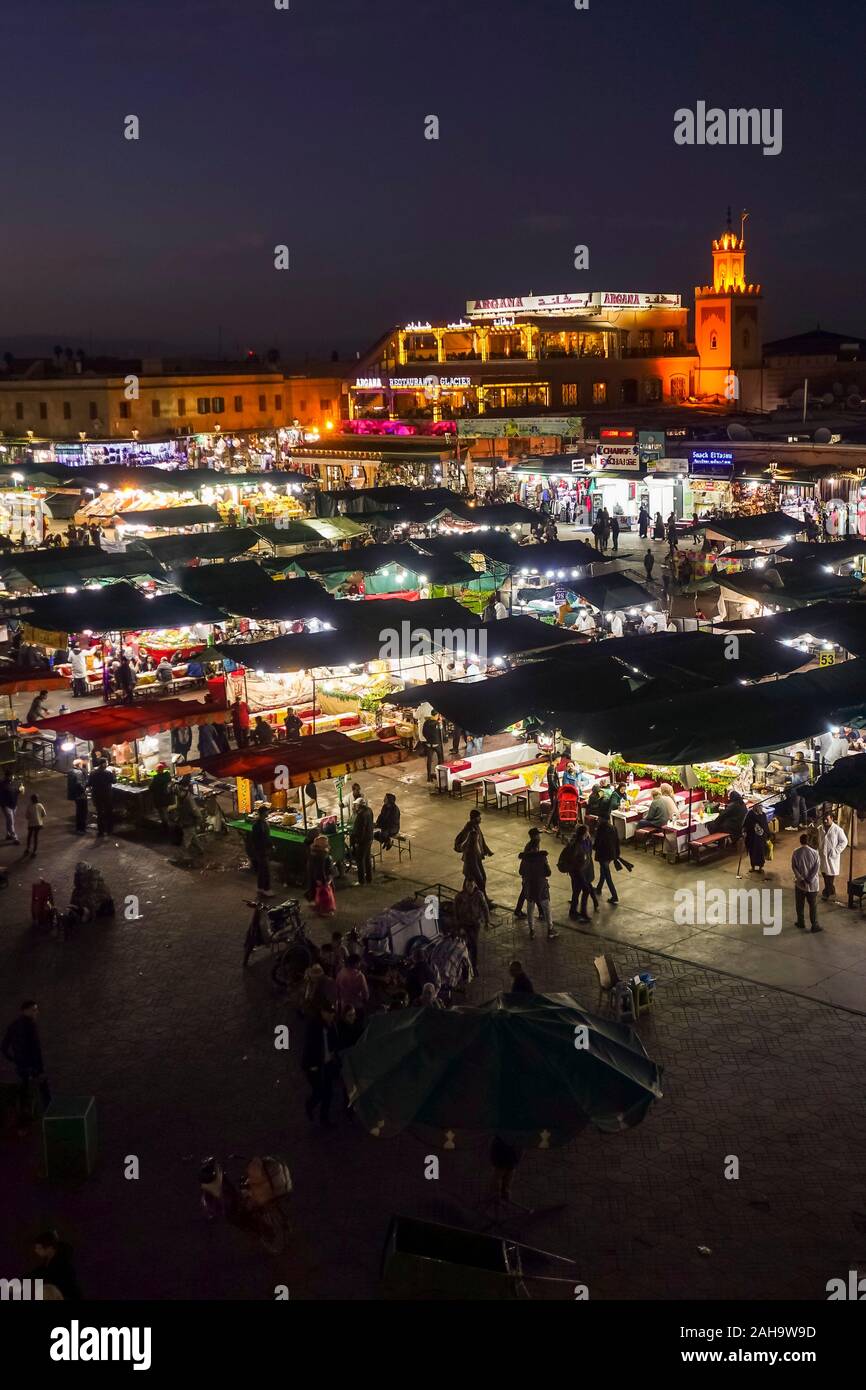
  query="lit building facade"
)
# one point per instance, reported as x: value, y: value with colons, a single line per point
x: 142, y: 400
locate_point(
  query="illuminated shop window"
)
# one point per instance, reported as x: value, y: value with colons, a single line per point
x: 571, y: 393
x: 599, y: 393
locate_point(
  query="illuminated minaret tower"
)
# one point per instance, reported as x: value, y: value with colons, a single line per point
x: 728, y: 325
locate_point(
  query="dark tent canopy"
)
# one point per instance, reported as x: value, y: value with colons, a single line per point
x: 614, y: 592
x: 825, y: 553
x: 768, y: 526
x: 703, y: 658
x: 793, y: 584
x: 363, y: 559
x: 173, y: 518
x: 843, y: 623
x: 513, y: 636
x: 552, y: 559
x: 115, y: 608
x: 75, y: 566
x: 719, y: 723
x: 246, y: 589
x: 206, y: 545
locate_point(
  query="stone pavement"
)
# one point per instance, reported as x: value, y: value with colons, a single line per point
x: 157, y: 1019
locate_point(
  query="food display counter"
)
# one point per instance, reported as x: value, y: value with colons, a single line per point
x: 289, y: 845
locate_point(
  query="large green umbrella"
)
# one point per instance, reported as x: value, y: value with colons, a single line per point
x: 533, y: 1069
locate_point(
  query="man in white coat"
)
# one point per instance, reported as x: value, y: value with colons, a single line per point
x: 832, y: 843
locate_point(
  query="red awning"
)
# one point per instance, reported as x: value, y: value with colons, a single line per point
x: 124, y: 723
x: 323, y: 755
x: 14, y: 682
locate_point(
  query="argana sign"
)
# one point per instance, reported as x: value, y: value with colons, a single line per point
x: 561, y: 304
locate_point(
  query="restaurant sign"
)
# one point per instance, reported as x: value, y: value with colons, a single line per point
x: 666, y: 465
x: 553, y: 304
x: 411, y: 383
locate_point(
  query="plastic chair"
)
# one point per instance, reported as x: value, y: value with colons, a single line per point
x: 608, y: 978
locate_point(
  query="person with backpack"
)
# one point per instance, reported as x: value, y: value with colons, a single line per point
x: 534, y: 873
x: 576, y: 861
x: 474, y: 849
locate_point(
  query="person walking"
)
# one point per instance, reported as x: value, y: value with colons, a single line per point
x: 471, y: 844
x: 576, y: 861
x: 832, y: 843
x: 552, y: 779
x: 606, y: 849
x: 643, y: 521
x: 614, y: 532
x: 431, y: 733
x: 756, y: 833
x: 320, y: 877
x: 534, y: 873
x: 76, y: 792
x: 260, y: 848
x: 321, y: 1065
x: 22, y: 1047
x: 649, y: 565
x: 125, y: 679
x: 805, y: 863
x: 35, y: 817
x: 100, y: 783
x: 471, y: 913
x: 361, y: 841
x: 658, y: 528
x: 9, y: 793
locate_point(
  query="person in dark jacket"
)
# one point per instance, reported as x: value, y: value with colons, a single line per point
x: 388, y: 821
x: 474, y: 849
x: 520, y: 981
x: 731, y: 818
x: 100, y: 783
x: 614, y: 532
x: 293, y: 726
x: 431, y: 733
x: 471, y: 913
x: 576, y: 861
x: 22, y: 1047
x: 552, y: 776
x: 8, y: 803
x: 756, y: 833
x: 259, y: 846
x: 263, y: 734
x: 125, y: 678
x: 207, y: 741
x: 76, y: 792
x: 606, y: 847
x: 534, y: 873
x: 361, y: 841
x: 643, y: 521
x: 55, y: 1266
x: 38, y: 708
x: 321, y: 1064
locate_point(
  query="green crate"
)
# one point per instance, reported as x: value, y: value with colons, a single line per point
x: 69, y: 1137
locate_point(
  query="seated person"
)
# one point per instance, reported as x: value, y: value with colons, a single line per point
x: 597, y: 799
x: 730, y: 820
x: 666, y: 792
x: 388, y: 821
x: 165, y: 671
x: 658, y: 813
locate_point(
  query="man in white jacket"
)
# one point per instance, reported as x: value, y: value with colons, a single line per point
x: 832, y: 843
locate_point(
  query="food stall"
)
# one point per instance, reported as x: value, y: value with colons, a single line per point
x: 282, y: 772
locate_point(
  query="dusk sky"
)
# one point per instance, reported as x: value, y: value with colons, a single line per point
x: 306, y: 127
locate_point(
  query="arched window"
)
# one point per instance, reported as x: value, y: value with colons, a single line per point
x: 714, y: 342
x: 678, y: 388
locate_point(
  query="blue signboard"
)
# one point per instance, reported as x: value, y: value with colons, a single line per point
x: 711, y: 463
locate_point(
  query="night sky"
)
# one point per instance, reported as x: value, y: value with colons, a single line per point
x: 306, y: 127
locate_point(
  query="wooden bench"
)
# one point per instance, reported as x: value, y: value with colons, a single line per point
x: 649, y: 834
x: 702, y: 849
